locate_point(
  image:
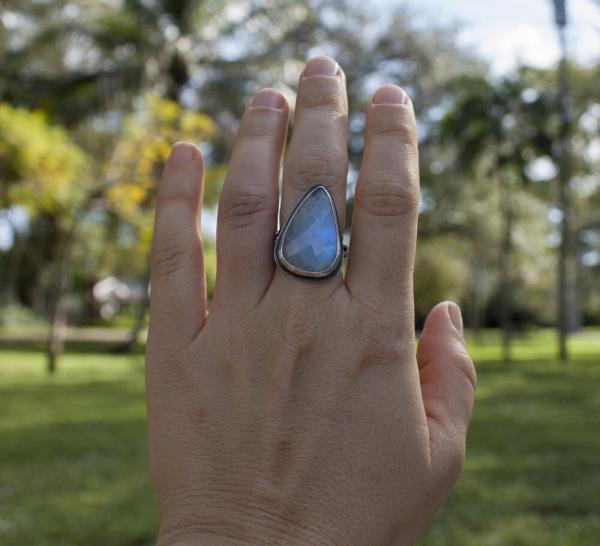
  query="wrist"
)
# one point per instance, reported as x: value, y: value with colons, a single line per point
x: 200, y: 540
x: 264, y: 537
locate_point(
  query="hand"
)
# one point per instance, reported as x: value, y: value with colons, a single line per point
x: 299, y: 411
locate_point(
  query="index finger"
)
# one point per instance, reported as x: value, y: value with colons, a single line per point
x: 178, y: 294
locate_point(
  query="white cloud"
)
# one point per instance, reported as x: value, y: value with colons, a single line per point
x: 505, y: 47
x: 511, y: 32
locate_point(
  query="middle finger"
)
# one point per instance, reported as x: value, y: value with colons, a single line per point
x: 318, y: 151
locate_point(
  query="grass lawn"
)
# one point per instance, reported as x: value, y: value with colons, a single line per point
x: 73, y: 468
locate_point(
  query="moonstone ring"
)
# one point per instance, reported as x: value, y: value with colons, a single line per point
x: 310, y: 243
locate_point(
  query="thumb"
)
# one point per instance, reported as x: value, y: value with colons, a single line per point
x: 448, y: 380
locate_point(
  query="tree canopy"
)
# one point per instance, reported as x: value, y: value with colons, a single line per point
x: 92, y: 95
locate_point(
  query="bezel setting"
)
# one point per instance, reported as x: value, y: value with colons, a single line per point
x: 280, y: 238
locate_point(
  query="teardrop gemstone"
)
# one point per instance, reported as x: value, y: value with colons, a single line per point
x: 311, y: 239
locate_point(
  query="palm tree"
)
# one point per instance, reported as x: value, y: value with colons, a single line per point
x: 102, y: 55
x: 502, y: 126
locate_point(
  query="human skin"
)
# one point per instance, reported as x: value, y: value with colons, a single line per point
x: 298, y: 411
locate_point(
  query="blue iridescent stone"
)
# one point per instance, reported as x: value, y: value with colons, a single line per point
x: 311, y: 239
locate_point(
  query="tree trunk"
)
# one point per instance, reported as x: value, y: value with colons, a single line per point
x: 565, y: 258
x: 56, y: 337
x: 477, y: 290
x: 58, y: 311
x: 140, y: 316
x: 61, y: 283
x: 13, y: 262
x: 504, y: 266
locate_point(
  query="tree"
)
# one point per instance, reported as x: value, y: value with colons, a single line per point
x: 103, y: 54
x: 43, y: 172
x: 501, y: 127
x: 135, y: 167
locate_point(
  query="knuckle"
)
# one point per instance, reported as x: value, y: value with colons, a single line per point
x: 178, y: 372
x: 390, y: 195
x: 327, y: 166
x: 296, y: 332
x: 167, y: 259
x: 382, y: 355
x: 464, y: 363
x: 322, y: 95
x: 456, y: 461
x: 382, y: 342
x: 375, y: 328
x: 260, y: 124
x: 402, y: 130
x: 240, y: 208
x: 179, y: 185
x: 302, y: 318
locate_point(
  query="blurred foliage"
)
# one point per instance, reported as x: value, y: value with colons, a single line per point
x: 142, y: 149
x: 94, y: 93
x: 42, y: 168
x: 489, y: 174
x: 135, y: 166
x: 441, y: 272
x: 23, y: 318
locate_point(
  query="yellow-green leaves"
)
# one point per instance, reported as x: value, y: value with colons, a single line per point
x: 147, y: 138
x: 41, y: 168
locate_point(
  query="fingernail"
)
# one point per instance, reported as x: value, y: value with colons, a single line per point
x: 455, y: 316
x: 181, y: 153
x: 390, y: 94
x: 269, y: 98
x: 321, y: 66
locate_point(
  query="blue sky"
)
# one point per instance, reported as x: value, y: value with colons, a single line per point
x: 508, y: 31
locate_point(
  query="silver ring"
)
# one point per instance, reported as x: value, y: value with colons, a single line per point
x: 310, y: 243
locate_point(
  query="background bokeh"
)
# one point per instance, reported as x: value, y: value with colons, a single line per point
x: 92, y: 95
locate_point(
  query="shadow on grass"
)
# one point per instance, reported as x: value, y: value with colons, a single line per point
x: 73, y: 467
x: 532, y: 475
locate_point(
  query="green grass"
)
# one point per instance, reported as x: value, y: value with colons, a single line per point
x: 532, y: 475
x: 73, y: 468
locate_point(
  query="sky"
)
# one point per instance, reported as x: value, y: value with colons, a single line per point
x: 509, y: 32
